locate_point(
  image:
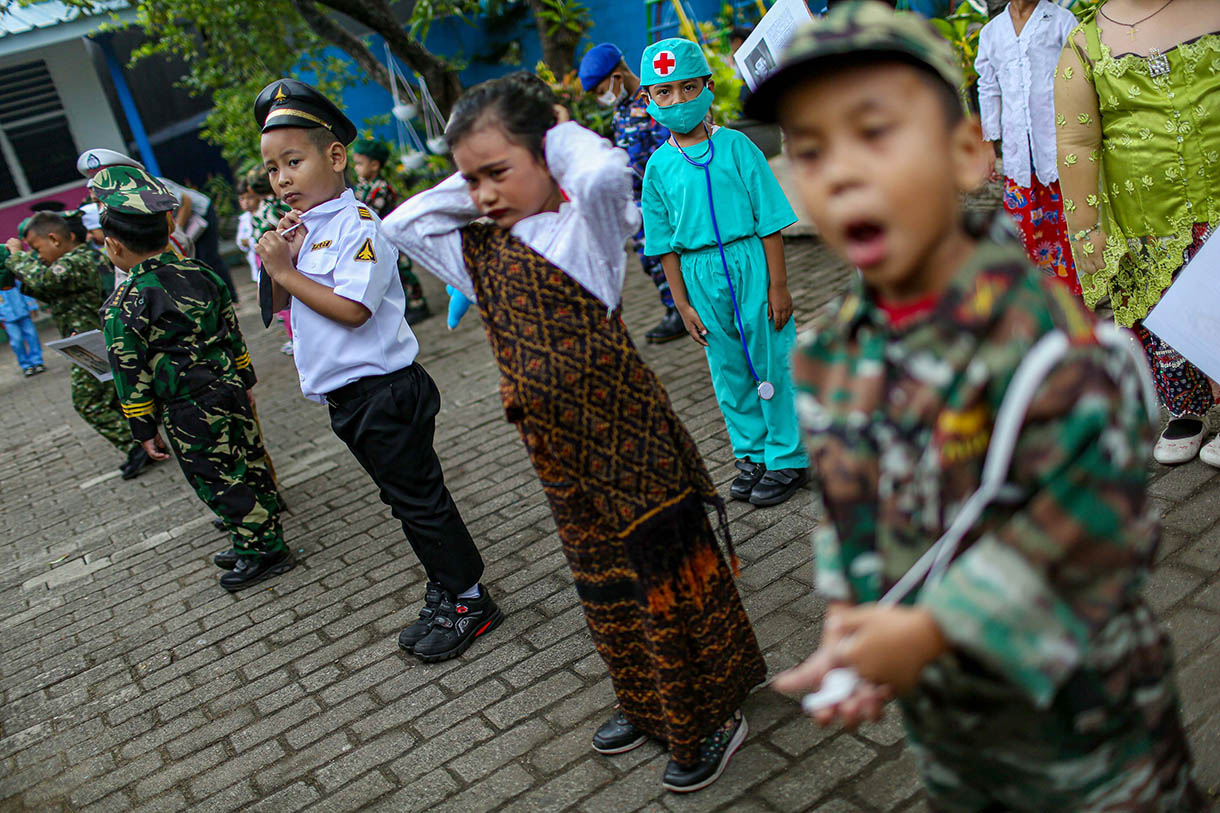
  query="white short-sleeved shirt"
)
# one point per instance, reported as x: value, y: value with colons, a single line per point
x: 345, y: 250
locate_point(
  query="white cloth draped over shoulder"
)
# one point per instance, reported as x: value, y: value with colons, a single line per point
x: 585, y: 238
x: 1017, y: 89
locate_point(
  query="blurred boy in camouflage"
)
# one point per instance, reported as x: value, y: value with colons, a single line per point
x: 66, y: 273
x: 177, y: 354
x: 1032, y: 676
x: 369, y: 157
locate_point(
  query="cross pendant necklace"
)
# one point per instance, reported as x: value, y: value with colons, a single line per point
x: 1131, y: 27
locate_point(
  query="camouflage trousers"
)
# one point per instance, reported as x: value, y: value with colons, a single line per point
x: 98, y: 403
x: 220, y: 449
x: 1087, y: 752
x: 410, y: 283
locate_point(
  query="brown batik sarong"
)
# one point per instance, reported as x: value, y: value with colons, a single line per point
x: 628, y: 491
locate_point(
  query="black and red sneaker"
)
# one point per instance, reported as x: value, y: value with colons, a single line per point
x: 455, y: 626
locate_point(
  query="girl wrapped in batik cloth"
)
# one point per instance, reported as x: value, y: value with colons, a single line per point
x: 532, y: 230
x: 1138, y: 115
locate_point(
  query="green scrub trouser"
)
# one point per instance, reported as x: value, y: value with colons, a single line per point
x: 762, y: 431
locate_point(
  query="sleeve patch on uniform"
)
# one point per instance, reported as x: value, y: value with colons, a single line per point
x: 366, y: 253
x: 365, y: 214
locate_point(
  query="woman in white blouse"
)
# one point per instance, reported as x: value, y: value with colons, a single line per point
x: 1018, y: 52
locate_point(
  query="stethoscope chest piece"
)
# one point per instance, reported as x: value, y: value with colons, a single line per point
x: 766, y: 390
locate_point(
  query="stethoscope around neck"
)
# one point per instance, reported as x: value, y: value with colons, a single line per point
x: 766, y: 390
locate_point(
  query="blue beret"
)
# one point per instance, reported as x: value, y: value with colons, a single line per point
x: 599, y: 62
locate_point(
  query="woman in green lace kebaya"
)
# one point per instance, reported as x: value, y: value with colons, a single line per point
x: 1137, y: 95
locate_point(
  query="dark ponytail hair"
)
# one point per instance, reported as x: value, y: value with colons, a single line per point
x: 520, y: 104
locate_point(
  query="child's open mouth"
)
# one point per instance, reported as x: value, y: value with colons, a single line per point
x: 866, y: 245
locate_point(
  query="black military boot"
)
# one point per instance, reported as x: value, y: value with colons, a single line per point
x: 251, y: 570
x: 225, y: 559
x: 137, y: 461
x: 670, y: 328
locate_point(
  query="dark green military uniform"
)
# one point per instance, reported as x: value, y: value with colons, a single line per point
x: 72, y: 287
x: 177, y: 353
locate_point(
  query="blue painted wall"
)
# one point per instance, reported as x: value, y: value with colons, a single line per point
x: 622, y: 23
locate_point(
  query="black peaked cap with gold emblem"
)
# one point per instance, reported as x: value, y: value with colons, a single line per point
x: 292, y: 103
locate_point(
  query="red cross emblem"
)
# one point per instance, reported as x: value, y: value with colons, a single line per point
x: 664, y: 63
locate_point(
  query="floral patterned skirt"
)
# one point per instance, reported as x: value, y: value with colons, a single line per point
x: 1038, y: 212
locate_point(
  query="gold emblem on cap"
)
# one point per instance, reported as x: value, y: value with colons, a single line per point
x: 279, y: 94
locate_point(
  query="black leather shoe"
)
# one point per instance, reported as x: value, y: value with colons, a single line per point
x: 714, y: 755
x: 412, y: 635
x: 251, y: 570
x: 668, y: 329
x: 777, y: 486
x: 617, y: 735
x: 743, y: 486
x: 225, y: 559
x: 137, y: 461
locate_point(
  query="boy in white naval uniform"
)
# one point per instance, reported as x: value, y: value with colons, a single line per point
x: 355, y: 352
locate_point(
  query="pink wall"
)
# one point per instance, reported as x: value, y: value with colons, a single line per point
x: 12, y: 214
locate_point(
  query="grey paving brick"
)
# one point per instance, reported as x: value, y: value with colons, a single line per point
x: 294, y: 797
x: 817, y: 773
x: 330, y: 720
x: 360, y: 794
x: 423, y: 793
x: 171, y: 775
x: 235, y: 772
x: 298, y: 765
x: 344, y: 769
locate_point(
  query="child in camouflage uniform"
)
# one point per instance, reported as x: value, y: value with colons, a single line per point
x: 177, y: 354
x: 66, y: 273
x: 604, y: 73
x: 369, y: 157
x: 1031, y: 674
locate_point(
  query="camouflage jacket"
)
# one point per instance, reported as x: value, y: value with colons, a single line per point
x: 1043, y: 590
x: 378, y: 194
x: 267, y: 216
x: 637, y: 133
x: 72, y: 285
x: 171, y: 332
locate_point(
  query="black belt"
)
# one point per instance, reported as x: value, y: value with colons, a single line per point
x: 362, y: 387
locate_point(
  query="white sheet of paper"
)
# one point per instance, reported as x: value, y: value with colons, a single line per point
x: 1188, y: 316
x: 758, y: 55
x: 86, y: 350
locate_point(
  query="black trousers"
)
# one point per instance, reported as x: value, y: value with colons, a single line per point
x: 388, y: 422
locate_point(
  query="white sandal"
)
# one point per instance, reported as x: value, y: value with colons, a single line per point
x: 1210, y: 453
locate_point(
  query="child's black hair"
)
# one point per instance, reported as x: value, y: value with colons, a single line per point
x: 48, y: 222
x: 241, y: 186
x: 520, y: 104
x: 320, y: 137
x: 259, y: 181
x: 140, y: 233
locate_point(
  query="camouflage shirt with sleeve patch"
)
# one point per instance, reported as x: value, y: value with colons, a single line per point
x: 377, y: 194
x: 72, y: 286
x: 898, y: 423
x: 171, y: 332
x: 1054, y: 659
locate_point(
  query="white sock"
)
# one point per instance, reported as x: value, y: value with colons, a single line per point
x: 473, y: 592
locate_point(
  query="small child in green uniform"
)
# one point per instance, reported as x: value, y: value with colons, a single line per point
x: 980, y: 445
x: 713, y: 211
x: 178, y: 355
x: 65, y: 272
x: 369, y: 157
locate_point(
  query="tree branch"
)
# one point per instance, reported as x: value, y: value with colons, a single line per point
x: 353, y: 46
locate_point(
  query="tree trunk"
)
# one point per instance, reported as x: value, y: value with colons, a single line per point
x: 443, y: 82
x: 558, y: 49
x: 331, y: 31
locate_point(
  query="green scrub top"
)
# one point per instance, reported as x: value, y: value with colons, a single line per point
x: 749, y: 201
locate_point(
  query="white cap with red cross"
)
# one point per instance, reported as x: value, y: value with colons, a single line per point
x: 672, y: 60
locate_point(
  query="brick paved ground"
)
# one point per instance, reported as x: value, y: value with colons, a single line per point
x: 130, y: 680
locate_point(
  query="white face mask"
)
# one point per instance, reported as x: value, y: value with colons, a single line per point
x: 610, y: 98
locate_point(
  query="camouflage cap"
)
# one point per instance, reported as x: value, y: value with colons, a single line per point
x: 131, y: 191
x: 856, y: 28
